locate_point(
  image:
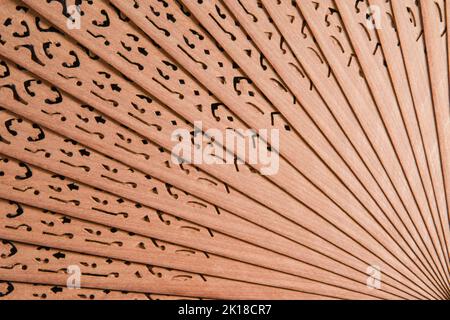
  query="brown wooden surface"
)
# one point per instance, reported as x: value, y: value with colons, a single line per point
x: 359, y: 91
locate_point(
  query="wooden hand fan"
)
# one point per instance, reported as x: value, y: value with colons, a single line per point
x: 224, y: 149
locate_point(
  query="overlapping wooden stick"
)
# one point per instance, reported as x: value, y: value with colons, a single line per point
x: 208, y: 19
x: 105, y: 137
x: 26, y: 263
x: 28, y: 291
x: 63, y: 232
x: 391, y: 107
x: 347, y: 100
x: 411, y: 51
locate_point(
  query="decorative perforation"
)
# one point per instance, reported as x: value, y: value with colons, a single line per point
x: 85, y: 202
x: 254, y: 13
x: 412, y: 45
x: 282, y: 209
x: 395, y: 109
x: 155, y: 31
x: 203, y: 15
x: 56, y: 192
x: 291, y: 231
x: 435, y: 30
x: 68, y: 157
x: 29, y: 224
x: 121, y: 94
x: 53, y: 198
x: 20, y: 262
x: 315, y: 65
x: 28, y: 291
x: 167, y: 76
x: 259, y: 33
x: 86, y: 123
x: 282, y: 204
x: 245, y: 174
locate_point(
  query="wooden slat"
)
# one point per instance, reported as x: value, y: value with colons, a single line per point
x: 34, y: 264
x: 348, y: 100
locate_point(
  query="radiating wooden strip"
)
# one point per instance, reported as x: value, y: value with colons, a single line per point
x: 251, y: 184
x: 286, y: 14
x: 138, y: 16
x: 136, y: 102
x: 36, y: 264
x: 32, y: 66
x: 347, y: 73
x: 445, y: 143
x: 348, y: 221
x: 47, y: 71
x: 31, y: 291
x: 61, y: 232
x: 114, y: 174
x: 409, y: 75
x: 207, y: 15
x: 279, y: 245
x: 97, y: 92
x: 259, y: 217
x: 393, y: 109
x: 365, y: 40
x: 407, y: 17
x: 435, y: 31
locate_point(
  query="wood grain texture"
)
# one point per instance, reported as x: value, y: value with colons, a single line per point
x: 96, y: 96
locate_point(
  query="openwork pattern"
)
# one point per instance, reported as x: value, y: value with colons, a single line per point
x: 224, y: 149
